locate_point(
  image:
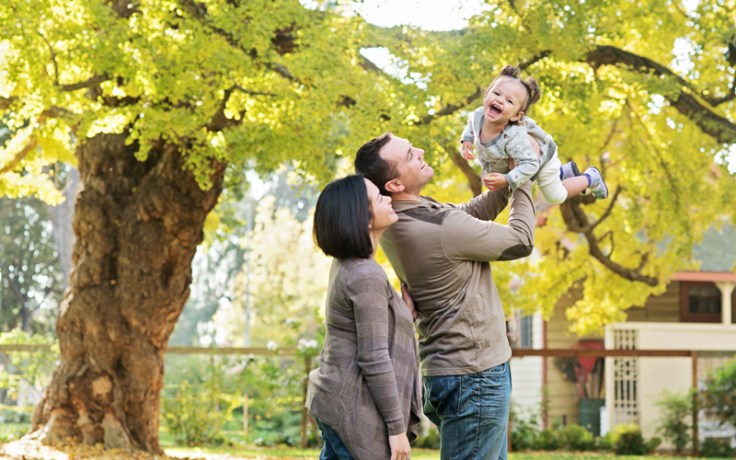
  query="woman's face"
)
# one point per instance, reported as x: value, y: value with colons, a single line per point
x: 383, y: 215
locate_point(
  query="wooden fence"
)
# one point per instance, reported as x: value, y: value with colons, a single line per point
x: 517, y: 353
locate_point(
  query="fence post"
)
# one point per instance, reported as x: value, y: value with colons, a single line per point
x: 694, y: 363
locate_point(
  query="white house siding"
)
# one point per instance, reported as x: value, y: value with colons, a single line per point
x: 526, y: 375
x: 657, y: 375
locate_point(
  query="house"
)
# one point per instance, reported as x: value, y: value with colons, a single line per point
x: 696, y: 312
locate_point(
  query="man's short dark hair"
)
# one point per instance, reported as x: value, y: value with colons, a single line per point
x: 342, y: 217
x: 369, y: 163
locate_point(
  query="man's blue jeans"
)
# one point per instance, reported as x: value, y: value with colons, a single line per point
x: 471, y: 412
x: 333, y: 448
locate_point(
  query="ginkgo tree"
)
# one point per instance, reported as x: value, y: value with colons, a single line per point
x: 161, y: 102
x: 646, y: 91
x: 153, y: 101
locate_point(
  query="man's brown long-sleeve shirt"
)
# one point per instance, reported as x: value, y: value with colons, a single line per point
x: 442, y: 252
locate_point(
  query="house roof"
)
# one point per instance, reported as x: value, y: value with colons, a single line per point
x: 717, y: 257
x: 717, y: 251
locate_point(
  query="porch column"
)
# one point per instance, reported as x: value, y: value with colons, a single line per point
x: 726, y: 288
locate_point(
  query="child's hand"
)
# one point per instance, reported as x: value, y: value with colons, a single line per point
x: 468, y: 150
x: 495, y: 181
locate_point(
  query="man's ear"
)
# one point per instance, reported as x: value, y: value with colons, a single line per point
x: 517, y: 117
x: 394, y: 186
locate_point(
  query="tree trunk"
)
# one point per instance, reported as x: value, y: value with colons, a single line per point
x: 137, y: 225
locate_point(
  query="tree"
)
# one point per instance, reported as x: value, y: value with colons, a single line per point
x: 282, y: 286
x: 152, y: 101
x: 646, y: 91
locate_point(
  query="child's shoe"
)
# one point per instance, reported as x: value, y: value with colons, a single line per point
x: 597, y: 187
x: 569, y: 170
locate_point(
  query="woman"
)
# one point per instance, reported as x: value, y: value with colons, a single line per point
x: 366, y: 393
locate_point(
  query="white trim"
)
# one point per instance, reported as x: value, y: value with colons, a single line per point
x: 726, y: 288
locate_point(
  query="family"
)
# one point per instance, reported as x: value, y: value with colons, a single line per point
x: 367, y: 393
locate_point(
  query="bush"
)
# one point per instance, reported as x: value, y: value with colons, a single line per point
x: 675, y: 411
x: 628, y: 440
x: 718, y: 398
x: 575, y: 437
x: 717, y: 448
x: 194, y: 413
x: 547, y: 440
x: 524, y: 428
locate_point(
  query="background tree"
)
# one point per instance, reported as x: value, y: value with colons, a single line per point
x: 280, y: 292
x: 31, y: 279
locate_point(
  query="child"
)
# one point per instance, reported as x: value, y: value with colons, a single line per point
x: 501, y: 133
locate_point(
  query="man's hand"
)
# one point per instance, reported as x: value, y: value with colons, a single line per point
x: 495, y: 181
x: 400, y: 449
x: 408, y: 301
x: 468, y: 150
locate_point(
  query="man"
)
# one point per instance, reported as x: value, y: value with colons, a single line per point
x: 442, y: 253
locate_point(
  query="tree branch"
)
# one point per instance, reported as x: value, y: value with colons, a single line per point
x: 577, y: 221
x: 684, y: 101
x: 89, y: 83
x: 19, y: 157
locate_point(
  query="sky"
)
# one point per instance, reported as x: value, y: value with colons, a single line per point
x: 431, y: 15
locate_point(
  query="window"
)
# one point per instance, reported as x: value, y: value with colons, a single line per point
x: 525, y: 337
x: 700, y: 303
x: 520, y: 331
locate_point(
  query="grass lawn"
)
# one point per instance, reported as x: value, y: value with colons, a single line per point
x: 263, y: 453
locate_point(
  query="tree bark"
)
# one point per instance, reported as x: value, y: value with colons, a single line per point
x: 137, y: 225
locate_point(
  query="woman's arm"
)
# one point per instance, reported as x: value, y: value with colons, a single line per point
x: 370, y: 298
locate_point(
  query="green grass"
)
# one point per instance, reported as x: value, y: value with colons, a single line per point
x: 416, y: 454
x: 12, y: 431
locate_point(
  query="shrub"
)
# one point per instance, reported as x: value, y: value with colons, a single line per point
x: 675, y: 411
x: 547, y: 440
x: 524, y: 428
x: 194, y: 413
x: 575, y: 437
x: 717, y: 448
x: 628, y: 440
x: 718, y: 398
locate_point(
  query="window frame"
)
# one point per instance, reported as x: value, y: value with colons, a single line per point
x: 686, y: 316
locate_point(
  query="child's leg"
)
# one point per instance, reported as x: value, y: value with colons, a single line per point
x: 575, y: 185
x: 548, y: 180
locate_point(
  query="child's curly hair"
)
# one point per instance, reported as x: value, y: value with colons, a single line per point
x: 531, y: 85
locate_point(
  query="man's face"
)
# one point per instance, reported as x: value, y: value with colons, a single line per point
x: 413, y: 172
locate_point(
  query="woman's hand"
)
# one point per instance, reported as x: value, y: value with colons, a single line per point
x: 408, y: 301
x: 400, y: 449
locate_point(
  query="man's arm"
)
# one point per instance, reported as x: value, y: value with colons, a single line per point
x: 487, y: 205
x: 469, y: 238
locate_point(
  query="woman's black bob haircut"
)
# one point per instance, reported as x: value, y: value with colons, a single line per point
x: 342, y: 217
